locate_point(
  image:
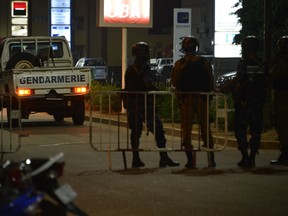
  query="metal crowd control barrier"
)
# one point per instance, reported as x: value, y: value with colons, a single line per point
x: 10, y: 141
x: 106, y: 109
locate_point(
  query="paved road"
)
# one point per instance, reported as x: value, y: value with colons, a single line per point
x: 225, y: 190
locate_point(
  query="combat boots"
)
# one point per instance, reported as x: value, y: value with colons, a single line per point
x: 252, y: 156
x: 136, y: 161
x: 189, y: 164
x: 211, y: 159
x: 282, y: 160
x: 244, y: 163
x: 166, y: 161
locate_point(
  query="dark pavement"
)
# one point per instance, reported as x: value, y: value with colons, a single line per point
x: 224, y: 190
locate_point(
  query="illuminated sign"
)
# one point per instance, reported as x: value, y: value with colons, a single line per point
x: 60, y: 3
x: 17, y: 30
x: 226, y: 27
x: 183, y: 17
x: 61, y: 30
x: 19, y: 18
x: 182, y: 27
x: 19, y: 21
x: 19, y: 8
x: 61, y: 19
x: 60, y: 16
x: 125, y: 13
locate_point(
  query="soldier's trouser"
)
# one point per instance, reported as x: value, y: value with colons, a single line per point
x: 191, y: 107
x: 136, y: 118
x: 281, y: 119
x: 248, y: 115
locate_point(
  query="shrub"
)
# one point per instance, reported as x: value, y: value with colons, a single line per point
x: 96, y: 97
x: 230, y: 112
x: 164, y: 105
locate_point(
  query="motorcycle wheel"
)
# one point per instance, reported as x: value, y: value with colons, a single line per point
x: 48, y: 208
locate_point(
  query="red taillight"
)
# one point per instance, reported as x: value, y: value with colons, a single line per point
x: 81, y: 90
x: 24, y: 92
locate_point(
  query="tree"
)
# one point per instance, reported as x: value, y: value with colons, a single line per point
x: 251, y: 17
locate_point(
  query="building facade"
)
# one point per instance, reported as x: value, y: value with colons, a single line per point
x: 89, y: 40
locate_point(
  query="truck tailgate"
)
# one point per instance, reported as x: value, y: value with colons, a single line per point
x: 43, y: 80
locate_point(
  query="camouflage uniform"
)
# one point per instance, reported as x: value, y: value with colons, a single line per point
x: 249, y: 98
x: 279, y: 77
x: 194, y: 105
x: 249, y: 90
x: 193, y: 74
x: 137, y: 79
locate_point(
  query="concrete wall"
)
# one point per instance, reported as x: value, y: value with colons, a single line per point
x: 88, y: 39
x: 114, y: 38
x: 39, y: 18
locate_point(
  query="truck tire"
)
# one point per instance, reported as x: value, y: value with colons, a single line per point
x: 13, y: 106
x: 21, y: 61
x: 78, y: 112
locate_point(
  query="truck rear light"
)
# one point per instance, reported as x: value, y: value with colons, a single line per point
x: 81, y: 90
x: 24, y: 92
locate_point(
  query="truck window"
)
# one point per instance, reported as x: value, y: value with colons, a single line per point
x: 14, y: 49
x: 57, y: 48
x: 94, y: 62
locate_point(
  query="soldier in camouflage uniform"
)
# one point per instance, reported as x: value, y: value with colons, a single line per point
x: 249, y: 90
x: 279, y: 77
x: 193, y: 74
x: 137, y: 79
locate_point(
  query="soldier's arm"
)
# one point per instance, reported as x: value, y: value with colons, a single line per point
x: 175, y: 73
x: 230, y: 85
x: 208, y: 69
x: 280, y: 69
x: 147, y: 79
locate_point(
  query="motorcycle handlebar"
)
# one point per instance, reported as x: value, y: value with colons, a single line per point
x: 45, y: 166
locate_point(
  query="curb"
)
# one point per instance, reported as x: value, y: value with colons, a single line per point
x: 231, y: 140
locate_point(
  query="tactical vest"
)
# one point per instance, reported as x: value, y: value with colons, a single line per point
x: 193, y: 77
x: 280, y: 74
x: 254, y: 82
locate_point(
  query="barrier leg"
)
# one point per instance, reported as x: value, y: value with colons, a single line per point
x: 124, y: 159
x: 194, y: 159
x: 211, y: 159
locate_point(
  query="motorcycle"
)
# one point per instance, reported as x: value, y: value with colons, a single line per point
x: 31, y: 187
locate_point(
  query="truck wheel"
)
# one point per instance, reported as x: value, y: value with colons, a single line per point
x: 78, y: 113
x: 21, y: 61
x: 13, y: 106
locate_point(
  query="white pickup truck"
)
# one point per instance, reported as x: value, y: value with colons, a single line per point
x: 39, y: 73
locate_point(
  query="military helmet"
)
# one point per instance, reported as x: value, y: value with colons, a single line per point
x: 283, y: 42
x: 250, y: 43
x: 189, y: 44
x: 283, y: 45
x: 140, y: 49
